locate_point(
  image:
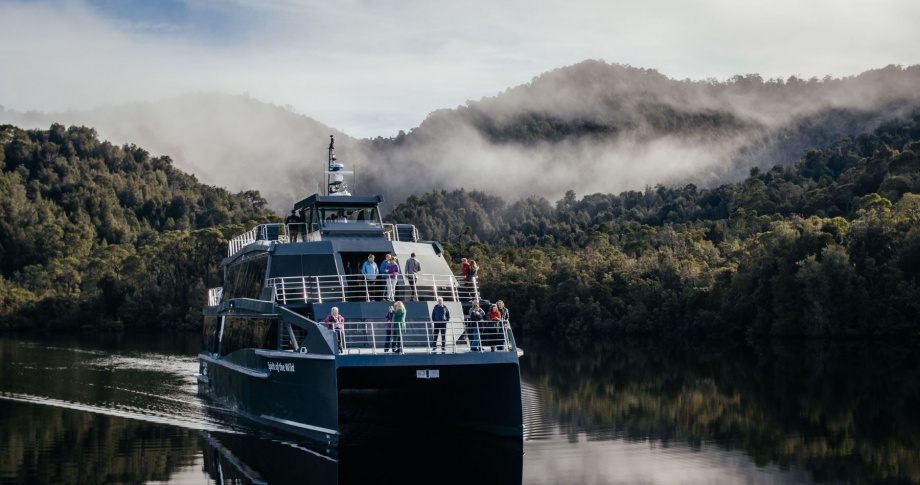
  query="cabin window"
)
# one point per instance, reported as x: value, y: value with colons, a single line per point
x: 247, y: 333
x: 303, y: 265
x: 349, y: 215
x: 246, y: 279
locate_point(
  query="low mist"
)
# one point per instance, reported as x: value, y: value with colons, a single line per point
x: 592, y: 127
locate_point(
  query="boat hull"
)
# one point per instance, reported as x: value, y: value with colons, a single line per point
x: 324, y: 397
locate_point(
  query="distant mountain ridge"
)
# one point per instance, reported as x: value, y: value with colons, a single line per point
x: 591, y: 127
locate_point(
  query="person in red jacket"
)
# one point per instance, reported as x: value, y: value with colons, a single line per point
x: 336, y: 323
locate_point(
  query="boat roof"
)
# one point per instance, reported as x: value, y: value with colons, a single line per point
x: 317, y: 200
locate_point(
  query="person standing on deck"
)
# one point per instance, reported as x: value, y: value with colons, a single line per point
x: 389, y: 320
x: 440, y: 315
x: 471, y: 279
x: 386, y: 261
x: 392, y: 278
x: 370, y: 271
x: 505, y: 320
x: 412, y: 269
x: 476, y: 317
x: 336, y: 323
x: 503, y: 311
x: 383, y: 275
x: 293, y: 225
x: 399, y: 327
x: 493, y: 328
x: 465, y: 272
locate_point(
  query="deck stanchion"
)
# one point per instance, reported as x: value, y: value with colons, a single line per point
x: 373, y: 338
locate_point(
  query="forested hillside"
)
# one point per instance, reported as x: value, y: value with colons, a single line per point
x: 829, y: 246
x: 100, y: 235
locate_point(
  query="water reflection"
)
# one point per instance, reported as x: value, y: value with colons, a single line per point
x: 800, y: 411
x: 77, y: 409
x: 82, y: 411
x: 44, y: 444
x: 402, y: 459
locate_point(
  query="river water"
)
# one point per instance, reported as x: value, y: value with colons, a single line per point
x: 107, y: 408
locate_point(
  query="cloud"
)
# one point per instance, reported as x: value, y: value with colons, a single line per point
x: 374, y: 68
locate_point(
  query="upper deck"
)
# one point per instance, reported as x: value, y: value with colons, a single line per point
x: 324, y: 218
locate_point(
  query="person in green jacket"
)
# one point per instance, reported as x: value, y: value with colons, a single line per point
x: 399, y: 327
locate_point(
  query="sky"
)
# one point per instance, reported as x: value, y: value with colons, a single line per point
x: 373, y: 68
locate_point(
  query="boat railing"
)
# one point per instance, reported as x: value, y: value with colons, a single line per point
x: 357, y: 288
x: 300, y: 232
x: 214, y: 295
x: 459, y: 336
x: 267, y: 232
x: 401, y: 232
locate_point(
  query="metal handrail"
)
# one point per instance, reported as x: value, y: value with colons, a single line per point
x: 460, y: 336
x: 357, y: 288
x: 299, y: 232
x: 267, y: 232
x: 214, y: 295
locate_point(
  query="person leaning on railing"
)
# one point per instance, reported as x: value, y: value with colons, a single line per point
x: 505, y: 314
x: 475, y: 320
x: 493, y: 328
x: 336, y: 323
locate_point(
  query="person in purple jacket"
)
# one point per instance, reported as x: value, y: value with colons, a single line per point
x: 392, y: 271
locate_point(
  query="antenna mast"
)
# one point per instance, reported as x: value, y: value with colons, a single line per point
x: 335, y: 173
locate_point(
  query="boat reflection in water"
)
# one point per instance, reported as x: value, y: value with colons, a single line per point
x: 377, y: 454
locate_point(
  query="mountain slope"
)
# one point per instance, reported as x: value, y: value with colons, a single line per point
x: 92, y: 233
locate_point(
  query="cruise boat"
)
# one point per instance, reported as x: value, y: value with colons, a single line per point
x: 270, y: 355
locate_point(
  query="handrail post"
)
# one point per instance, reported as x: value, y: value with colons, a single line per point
x: 373, y: 338
x: 319, y: 291
x: 303, y: 285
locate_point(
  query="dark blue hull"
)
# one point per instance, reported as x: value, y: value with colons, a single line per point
x: 322, y: 397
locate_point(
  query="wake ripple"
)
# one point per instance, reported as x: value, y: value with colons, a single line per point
x: 128, y: 412
x: 536, y: 427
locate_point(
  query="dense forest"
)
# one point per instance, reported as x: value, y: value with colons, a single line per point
x: 100, y: 235
x: 827, y: 247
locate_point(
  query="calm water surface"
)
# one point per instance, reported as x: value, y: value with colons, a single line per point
x: 124, y: 409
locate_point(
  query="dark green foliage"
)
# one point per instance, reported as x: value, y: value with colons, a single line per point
x: 825, y: 247
x: 94, y: 234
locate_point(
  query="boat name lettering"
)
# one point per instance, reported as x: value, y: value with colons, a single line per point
x: 281, y: 366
